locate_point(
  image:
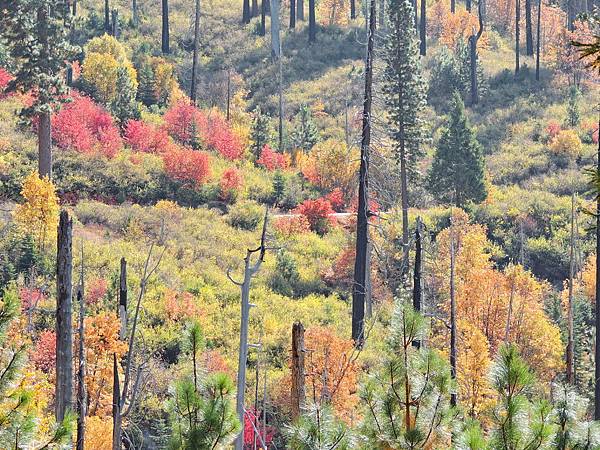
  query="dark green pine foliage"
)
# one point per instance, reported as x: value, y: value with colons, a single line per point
x: 146, y: 92
x: 320, y: 429
x: 457, y: 172
x: 404, y: 87
x: 203, y: 412
x: 260, y: 133
x: 305, y: 135
x: 279, y: 187
x: 125, y: 106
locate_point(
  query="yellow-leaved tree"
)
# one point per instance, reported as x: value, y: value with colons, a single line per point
x: 38, y: 215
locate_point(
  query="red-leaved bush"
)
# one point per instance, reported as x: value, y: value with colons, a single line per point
x: 30, y: 298
x: 5, y: 78
x: 336, y: 198
x: 43, y: 355
x: 187, y: 166
x: 86, y: 127
x: 254, y: 429
x: 180, y: 305
x: 96, y: 290
x: 290, y: 226
x: 144, y: 137
x: 591, y: 129
x: 230, y: 183
x: 272, y: 160
x: 185, y: 123
x: 220, y: 137
x: 318, y: 213
x: 553, y: 128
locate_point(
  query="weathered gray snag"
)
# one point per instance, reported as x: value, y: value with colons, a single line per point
x: 165, y: 44
x: 64, y: 300
x: 453, y: 359
x: 473, y: 40
x: 312, y: 22
x: 300, y: 9
x: 123, y: 299
x: 250, y: 269
x: 81, y: 389
x: 298, y: 391
x: 423, y: 29
x: 537, y: 43
x: 194, y: 86
x: 570, y: 353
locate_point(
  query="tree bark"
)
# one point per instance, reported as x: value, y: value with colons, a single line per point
x: 115, y: 23
x: 423, y: 29
x: 116, y: 407
x: 417, y: 277
x: 300, y: 10
x: 194, y: 86
x: 452, y: 6
x: 452, y: 318
x: 359, y: 285
x: 528, y: 28
x: 352, y: 9
x: 254, y: 11
x: 468, y: 5
x: 165, y: 27
x: 263, y: 21
x: 64, y: 305
x: 246, y: 12
x: 517, y: 36
x: 81, y: 389
x: 45, y: 145
x: 570, y: 338
x: 106, y: 16
x: 537, y: 44
x: 135, y: 14
x: 123, y: 299
x: 292, y: 14
x: 298, y: 393
x: 312, y: 22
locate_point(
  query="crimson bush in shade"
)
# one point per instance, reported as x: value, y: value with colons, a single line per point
x: 318, y: 213
x: 188, y: 166
x: 147, y: 138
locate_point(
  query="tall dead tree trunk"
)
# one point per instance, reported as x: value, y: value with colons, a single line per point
x: 64, y: 306
x: 263, y: 19
x: 570, y: 338
x: 452, y: 6
x: 106, y: 16
x: 250, y: 270
x: 423, y: 29
x: 165, y: 43
x: 116, y: 407
x: 528, y: 28
x: 194, y: 86
x: 473, y: 40
x: 81, y: 389
x: 292, y: 14
x: 538, y: 42
x: 452, y: 317
x: 359, y: 285
x: 312, y: 22
x: 246, y: 12
x: 254, y: 11
x: 298, y: 392
x: 417, y: 276
x: 517, y: 36
x: 135, y: 14
x: 352, y: 9
x: 115, y: 23
x: 300, y: 9
x: 123, y: 299
x: 468, y: 5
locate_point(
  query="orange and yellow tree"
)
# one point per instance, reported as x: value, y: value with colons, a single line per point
x: 333, y: 12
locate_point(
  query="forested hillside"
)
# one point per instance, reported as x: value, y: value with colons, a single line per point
x: 299, y: 224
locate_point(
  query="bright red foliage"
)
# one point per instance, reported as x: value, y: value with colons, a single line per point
x: 220, y: 137
x: 553, y: 128
x: 30, y: 298
x: 289, y: 226
x: 185, y: 123
x: 95, y: 291
x: 188, y: 166
x: 336, y: 198
x: 231, y: 182
x: 43, y: 354
x: 318, y: 213
x: 252, y: 420
x: 86, y: 127
x: 272, y: 160
x: 180, y: 305
x: 5, y: 78
x: 144, y: 137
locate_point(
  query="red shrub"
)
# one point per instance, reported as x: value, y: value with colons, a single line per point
x: 231, y: 182
x: 552, y: 129
x: 252, y: 421
x: 144, y: 137
x: 30, y: 298
x: 43, y: 354
x: 86, y: 127
x: 318, y: 213
x: 95, y: 291
x: 591, y: 129
x: 188, y: 166
x: 289, y: 226
x: 220, y: 137
x: 272, y: 160
x: 180, y: 305
x: 336, y: 198
x: 5, y: 78
x: 185, y: 123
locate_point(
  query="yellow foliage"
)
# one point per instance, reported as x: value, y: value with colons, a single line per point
x: 98, y: 433
x: 107, y: 45
x: 331, y: 164
x: 333, y: 12
x: 566, y: 143
x: 460, y: 26
x: 39, y: 214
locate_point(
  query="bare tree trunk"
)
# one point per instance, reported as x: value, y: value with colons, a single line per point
x: 312, y: 22
x: 300, y: 10
x: 246, y: 12
x: 452, y: 6
x: 468, y: 5
x: 423, y: 29
x: 362, y: 227
x: 115, y: 23
x: 538, y: 42
x: 473, y: 40
x: 528, y: 28
x: 263, y: 20
x: 292, y: 14
x: 404, y: 195
x: 194, y: 86
x: 81, y: 388
x: 116, y: 407
x: 123, y: 299
x: 165, y: 27
x: 298, y: 393
x: 254, y: 11
x: 64, y: 335
x: 352, y: 9
x: 452, y: 319
x: 106, y: 16
x: 517, y: 36
x: 135, y: 14
x: 45, y: 145
x: 570, y: 338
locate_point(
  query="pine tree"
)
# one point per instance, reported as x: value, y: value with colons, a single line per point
x: 457, y: 172
x: 203, y: 413
x: 260, y: 133
x: 305, y: 134
x: 279, y: 185
x: 146, y: 89
x: 407, y: 397
x: 573, y: 114
x: 404, y: 90
x: 125, y: 106
x: 320, y: 429
x: 37, y: 33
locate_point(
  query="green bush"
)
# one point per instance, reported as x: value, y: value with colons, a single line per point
x: 245, y: 215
